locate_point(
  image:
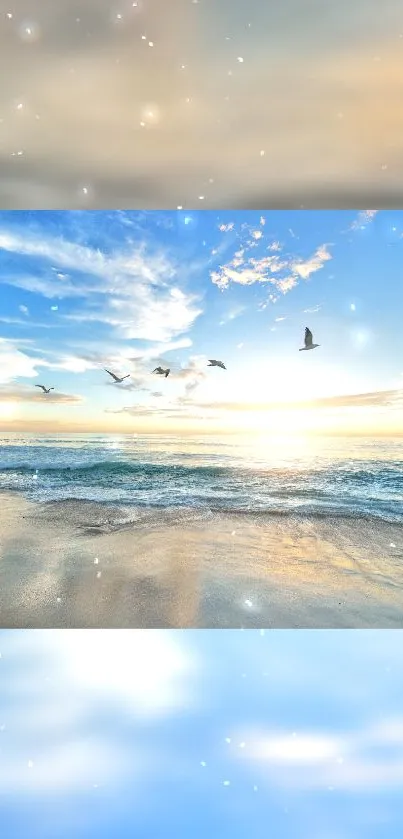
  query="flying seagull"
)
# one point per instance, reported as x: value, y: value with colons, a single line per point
x: 214, y: 363
x: 116, y: 378
x: 162, y: 372
x: 309, y: 345
x: 45, y: 389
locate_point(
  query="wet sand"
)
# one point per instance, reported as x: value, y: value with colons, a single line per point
x: 224, y: 572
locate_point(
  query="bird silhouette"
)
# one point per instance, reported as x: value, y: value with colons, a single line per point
x: 45, y: 389
x: 309, y: 345
x: 215, y: 363
x: 117, y: 378
x: 161, y: 372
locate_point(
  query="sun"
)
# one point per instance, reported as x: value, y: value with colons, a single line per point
x: 7, y: 410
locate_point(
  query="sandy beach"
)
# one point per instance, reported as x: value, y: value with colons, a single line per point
x: 222, y: 572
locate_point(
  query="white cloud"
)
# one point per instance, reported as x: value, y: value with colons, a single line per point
x: 365, y: 759
x: 305, y: 268
x: 293, y: 749
x: 143, y: 670
x: 24, y: 310
x: 14, y: 363
x: 59, y: 679
x: 364, y: 218
x: 194, y: 373
x: 133, y: 290
x: 283, y: 272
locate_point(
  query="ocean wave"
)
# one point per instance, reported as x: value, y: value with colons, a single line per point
x: 92, y: 518
x: 337, y: 473
x: 354, y: 489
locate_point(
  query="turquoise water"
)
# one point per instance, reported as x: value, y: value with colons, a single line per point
x: 328, y: 477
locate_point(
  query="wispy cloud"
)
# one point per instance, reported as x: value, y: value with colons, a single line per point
x: 15, y: 363
x: 133, y: 290
x: 280, y: 270
x: 348, y: 761
x: 193, y: 374
x: 390, y: 398
x: 25, y: 394
x: 364, y: 218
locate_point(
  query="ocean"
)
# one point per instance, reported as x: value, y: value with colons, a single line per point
x: 116, y: 481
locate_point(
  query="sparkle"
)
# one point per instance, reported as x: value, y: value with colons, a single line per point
x: 9, y: 15
x: 384, y: 166
x: 392, y: 545
x: 150, y: 114
x: 203, y: 763
x: 179, y: 207
x: 228, y: 739
x: 99, y: 574
x: 143, y: 38
x: 58, y: 599
x: 20, y: 106
x: 255, y: 789
x: 85, y: 190
x: 151, y: 43
x: 96, y: 561
x: 201, y: 197
x: 30, y: 764
x: 248, y: 603
x: 262, y: 152
x: 119, y: 16
x: 226, y: 783
x: 182, y: 66
x: 240, y: 59
x: 29, y: 31
x: 352, y: 307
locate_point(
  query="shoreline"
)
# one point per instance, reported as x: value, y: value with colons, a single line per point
x: 221, y: 571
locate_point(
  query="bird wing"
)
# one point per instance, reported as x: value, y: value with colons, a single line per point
x: 51, y: 388
x: 41, y: 386
x: 212, y: 360
x: 127, y: 376
x: 167, y: 372
x: 157, y: 370
x: 111, y: 374
x: 308, y: 337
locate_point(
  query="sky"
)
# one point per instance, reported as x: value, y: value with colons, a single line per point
x: 172, y: 734
x: 130, y: 291
x: 144, y: 104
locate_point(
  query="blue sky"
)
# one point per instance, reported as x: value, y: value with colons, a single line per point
x: 228, y: 733
x: 83, y: 290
